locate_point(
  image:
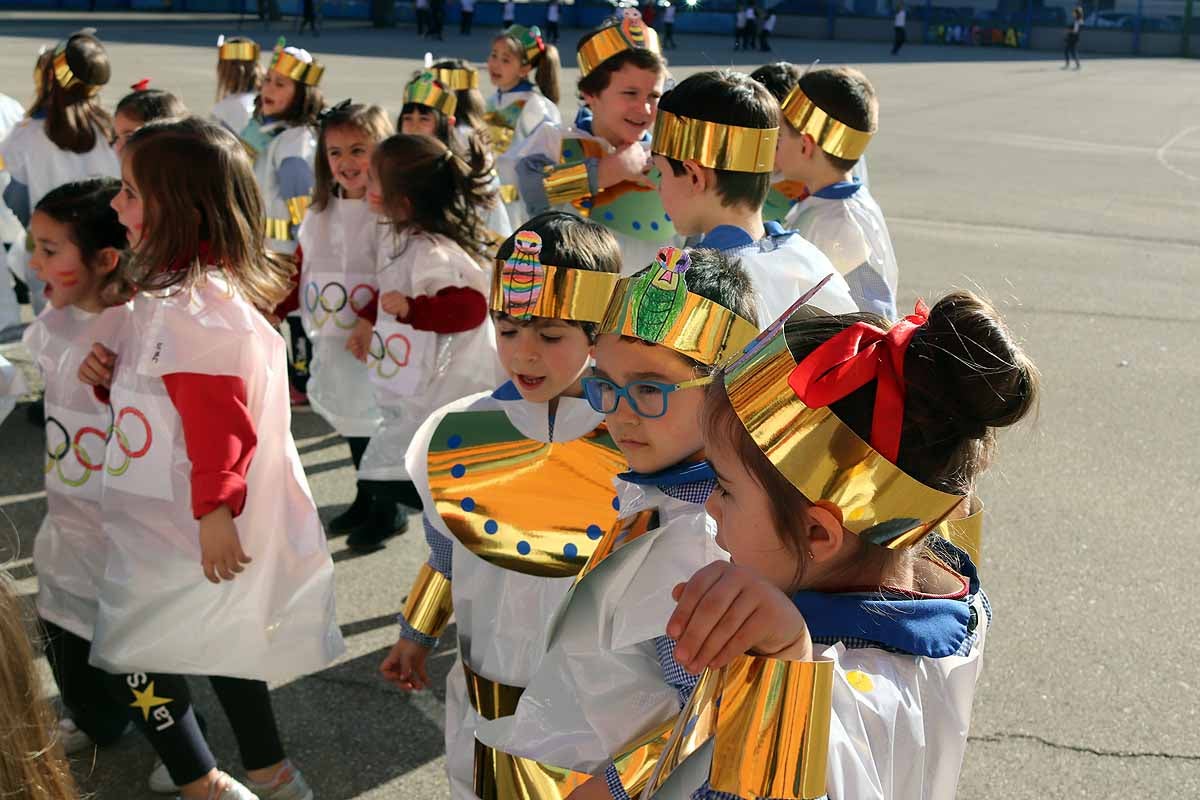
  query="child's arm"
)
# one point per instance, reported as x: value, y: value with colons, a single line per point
x: 451, y: 310
x: 424, y: 617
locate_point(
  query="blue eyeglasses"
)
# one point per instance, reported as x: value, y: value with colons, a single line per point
x: 647, y: 398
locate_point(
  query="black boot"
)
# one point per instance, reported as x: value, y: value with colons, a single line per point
x: 356, y: 514
x: 386, y: 519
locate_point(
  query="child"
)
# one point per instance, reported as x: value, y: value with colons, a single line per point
x: 78, y: 246
x: 200, y: 413
x: 140, y: 106
x: 430, y: 108
x: 239, y: 80
x: 714, y: 144
x: 669, y: 27
x: 896, y: 615
x: 518, y: 107
x: 779, y: 78
x: 338, y: 285
x: 552, y: 13
x: 831, y: 116
x: 432, y: 341
x: 551, y: 284
x: 608, y: 677
x: 739, y: 27
x: 768, y: 27
x: 65, y: 137
x: 598, y: 166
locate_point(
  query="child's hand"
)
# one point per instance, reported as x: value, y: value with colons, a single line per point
x: 360, y: 339
x: 394, y: 303
x: 628, y: 163
x: 725, y: 610
x: 97, y: 368
x: 405, y: 665
x: 221, y: 551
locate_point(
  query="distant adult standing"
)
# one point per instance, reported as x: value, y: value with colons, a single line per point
x: 422, y: 17
x: 510, y: 13
x: 669, y: 27
x: 1072, y: 43
x: 764, y: 35
x: 466, y: 17
x: 739, y: 27
x: 437, y: 18
x: 750, y: 32
x: 900, y: 26
x: 649, y: 12
x: 309, y: 18
x: 552, y: 12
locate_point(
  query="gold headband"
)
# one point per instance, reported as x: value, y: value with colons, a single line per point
x: 456, y: 78
x: 657, y: 308
x: 713, y: 144
x: 63, y: 73
x: 579, y: 295
x: 425, y: 91
x: 835, y: 138
x: 238, y: 51
x: 822, y: 457
x: 289, y: 66
x: 630, y: 34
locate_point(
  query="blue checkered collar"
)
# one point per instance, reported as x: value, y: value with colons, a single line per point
x: 691, y: 482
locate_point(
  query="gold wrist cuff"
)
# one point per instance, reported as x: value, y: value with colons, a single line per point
x: 429, y: 605
x: 635, y: 766
x: 298, y: 207
x: 280, y: 229
x: 566, y: 184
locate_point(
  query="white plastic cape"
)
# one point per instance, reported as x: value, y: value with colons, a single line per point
x: 71, y: 549
x: 296, y: 142
x: 600, y: 685
x: 852, y: 232
x: 503, y: 617
x: 337, y: 278
x: 158, y: 613
x: 460, y: 364
x: 899, y: 725
x: 535, y: 111
x: 12, y: 386
x: 234, y: 111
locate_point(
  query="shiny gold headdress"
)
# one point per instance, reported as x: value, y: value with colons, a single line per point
x: 425, y: 90
x: 630, y: 33
x: 523, y: 287
x: 714, y: 144
x: 237, y: 51
x: 63, y: 73
x: 820, y: 455
x: 658, y: 308
x: 528, y: 39
x: 456, y: 78
x: 835, y: 138
x: 291, y: 65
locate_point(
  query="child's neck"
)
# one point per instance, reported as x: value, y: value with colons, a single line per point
x: 739, y: 216
x: 357, y: 194
x: 599, y: 130
x: 92, y: 305
x: 824, y: 176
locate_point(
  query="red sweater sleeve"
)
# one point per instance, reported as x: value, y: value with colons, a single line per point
x: 219, y: 434
x: 369, y: 312
x: 452, y: 310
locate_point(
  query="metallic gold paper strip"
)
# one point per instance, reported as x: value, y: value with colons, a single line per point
x: 298, y: 207
x: 280, y: 229
x: 491, y: 699
x: 703, y: 330
x: 571, y: 294
x: 636, y: 763
x: 501, y: 776
x: 966, y: 532
x: 289, y: 66
x: 509, y: 193
x: 566, y: 184
x: 429, y: 606
x: 64, y: 75
x: 607, y: 43
x: 238, y: 51
x: 826, y: 460
x: 456, y: 78
x: 714, y: 145
x: 694, y: 726
x: 622, y: 532
x: 432, y: 93
x: 835, y: 138
x: 1, y: 162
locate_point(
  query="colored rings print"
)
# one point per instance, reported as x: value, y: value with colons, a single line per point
x: 87, y: 440
x: 388, y: 356
x: 325, y: 302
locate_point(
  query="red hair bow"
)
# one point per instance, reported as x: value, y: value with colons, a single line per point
x: 141, y: 85
x: 851, y: 360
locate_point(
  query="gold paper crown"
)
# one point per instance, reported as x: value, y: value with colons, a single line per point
x: 630, y: 33
x: 835, y: 138
x: 289, y: 66
x: 456, y: 78
x: 821, y: 456
x: 528, y: 39
x: 237, y: 51
x: 658, y: 308
x: 425, y: 90
x: 714, y: 144
x: 63, y: 73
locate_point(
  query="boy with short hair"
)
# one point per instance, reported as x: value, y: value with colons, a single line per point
x: 714, y: 143
x: 830, y: 116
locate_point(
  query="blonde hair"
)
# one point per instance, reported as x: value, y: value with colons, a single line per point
x: 372, y: 121
x: 32, y: 766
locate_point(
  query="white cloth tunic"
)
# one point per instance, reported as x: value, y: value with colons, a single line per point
x: 158, y: 612
x: 298, y: 142
x: 523, y: 110
x: 234, y: 111
x: 337, y: 279
x: 70, y: 549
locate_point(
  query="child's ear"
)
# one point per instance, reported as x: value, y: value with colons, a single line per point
x: 824, y: 531
x: 808, y: 147
x: 699, y: 178
x: 107, y: 260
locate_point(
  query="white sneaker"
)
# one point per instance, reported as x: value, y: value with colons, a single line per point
x: 288, y: 784
x: 73, y: 739
x: 232, y: 791
x: 160, y: 780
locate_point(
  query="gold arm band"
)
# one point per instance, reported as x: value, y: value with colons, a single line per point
x: 835, y: 138
x: 63, y: 73
x: 457, y: 79
x: 552, y: 292
x: 490, y: 699
x: 715, y: 145
x: 429, y: 605
x: 509, y: 193
x: 615, y: 39
x: 566, y: 184
x: 966, y: 532
x: 289, y: 66
x: 636, y: 764
x: 298, y: 207
x: 280, y: 229
x: 238, y: 51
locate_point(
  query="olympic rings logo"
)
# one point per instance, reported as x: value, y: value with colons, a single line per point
x: 389, y: 354
x: 64, y: 443
x: 324, y: 303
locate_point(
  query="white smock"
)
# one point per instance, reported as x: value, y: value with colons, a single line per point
x: 416, y: 372
x: 521, y: 111
x: 235, y: 111
x: 337, y: 279
x: 158, y: 612
x: 71, y: 549
x: 600, y: 684
x: 296, y: 142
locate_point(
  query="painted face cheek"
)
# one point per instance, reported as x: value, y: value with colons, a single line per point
x: 67, y: 278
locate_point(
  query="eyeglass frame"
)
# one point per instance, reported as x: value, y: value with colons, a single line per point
x: 623, y: 391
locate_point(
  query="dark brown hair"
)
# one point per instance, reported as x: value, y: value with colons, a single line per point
x: 372, y: 121
x: 147, y: 105
x: 599, y: 78
x: 74, y: 116
x: 307, y: 103
x: 236, y: 76
x: 85, y: 207
x: 209, y: 196
x: 546, y: 66
x: 469, y: 111
x: 846, y: 95
x: 779, y: 78
x: 426, y: 186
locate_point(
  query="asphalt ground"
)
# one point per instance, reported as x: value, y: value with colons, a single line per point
x: 1070, y: 198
